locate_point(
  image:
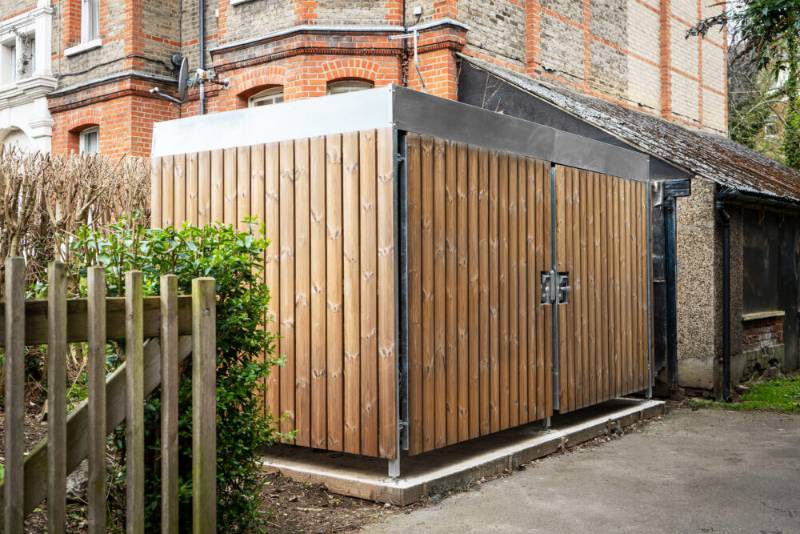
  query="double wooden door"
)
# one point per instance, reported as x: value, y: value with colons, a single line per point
x: 601, y: 244
x: 527, y: 290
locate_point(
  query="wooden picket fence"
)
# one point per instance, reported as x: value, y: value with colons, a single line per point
x: 158, y: 333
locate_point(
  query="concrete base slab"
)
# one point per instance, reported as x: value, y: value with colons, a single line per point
x: 458, y: 465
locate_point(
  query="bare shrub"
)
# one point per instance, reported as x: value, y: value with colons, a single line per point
x: 44, y: 199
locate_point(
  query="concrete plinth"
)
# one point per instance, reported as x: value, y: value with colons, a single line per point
x: 459, y: 465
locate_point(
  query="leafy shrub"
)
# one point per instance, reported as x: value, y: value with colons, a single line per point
x: 235, y: 260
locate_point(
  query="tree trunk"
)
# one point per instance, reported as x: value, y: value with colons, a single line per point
x: 791, y: 140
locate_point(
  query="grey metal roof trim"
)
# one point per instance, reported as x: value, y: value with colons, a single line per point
x: 715, y: 157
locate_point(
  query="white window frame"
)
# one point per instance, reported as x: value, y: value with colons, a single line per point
x: 267, y: 97
x: 339, y: 87
x: 90, y: 20
x: 11, y: 73
x: 83, y: 137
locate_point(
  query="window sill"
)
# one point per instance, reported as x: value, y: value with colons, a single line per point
x: 83, y: 47
x: 237, y: 2
x: 762, y: 315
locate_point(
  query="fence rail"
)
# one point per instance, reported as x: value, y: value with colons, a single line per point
x: 159, y: 333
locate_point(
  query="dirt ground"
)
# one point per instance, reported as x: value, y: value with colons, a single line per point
x: 292, y: 507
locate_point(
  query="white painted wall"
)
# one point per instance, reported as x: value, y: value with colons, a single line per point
x: 24, y: 117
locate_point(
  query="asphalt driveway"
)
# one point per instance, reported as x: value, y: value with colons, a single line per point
x: 707, y: 471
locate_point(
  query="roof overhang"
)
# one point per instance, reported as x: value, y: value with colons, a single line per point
x: 405, y: 110
x: 672, y: 147
x: 484, y: 88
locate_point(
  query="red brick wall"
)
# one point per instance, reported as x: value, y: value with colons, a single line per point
x: 71, y: 22
x: 124, y: 111
x: 761, y: 333
x: 301, y: 77
x: 304, y: 62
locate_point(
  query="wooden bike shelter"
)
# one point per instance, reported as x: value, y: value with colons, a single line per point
x: 438, y: 272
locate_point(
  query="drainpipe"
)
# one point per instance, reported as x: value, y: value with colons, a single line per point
x: 670, y: 274
x: 404, y: 57
x: 202, y: 62
x: 725, y: 359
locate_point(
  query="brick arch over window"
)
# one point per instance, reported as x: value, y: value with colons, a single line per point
x: 248, y: 82
x: 352, y: 69
x: 244, y: 96
x: 89, y: 119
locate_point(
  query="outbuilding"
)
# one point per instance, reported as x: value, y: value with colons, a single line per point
x: 439, y: 272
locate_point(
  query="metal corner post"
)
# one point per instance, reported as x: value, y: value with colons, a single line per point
x: 649, y: 223
x: 554, y: 267
x: 401, y: 317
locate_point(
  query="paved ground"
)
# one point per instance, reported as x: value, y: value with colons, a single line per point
x: 707, y: 471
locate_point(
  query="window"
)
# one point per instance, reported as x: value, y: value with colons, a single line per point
x: 90, y: 20
x: 90, y: 140
x: 348, y: 86
x: 12, y: 62
x: 26, y: 55
x: 273, y: 95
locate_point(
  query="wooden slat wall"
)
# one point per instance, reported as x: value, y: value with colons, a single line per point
x: 602, y: 237
x: 327, y: 204
x: 478, y: 237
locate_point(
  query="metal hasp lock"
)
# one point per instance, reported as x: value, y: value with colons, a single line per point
x: 563, y: 288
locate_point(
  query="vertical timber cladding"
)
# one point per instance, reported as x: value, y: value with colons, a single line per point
x: 602, y: 242
x: 480, y: 343
x: 327, y: 204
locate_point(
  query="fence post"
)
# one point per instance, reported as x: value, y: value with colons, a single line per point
x: 134, y: 361
x: 56, y: 397
x: 96, y: 319
x: 204, y: 406
x: 13, y: 517
x: 169, y: 404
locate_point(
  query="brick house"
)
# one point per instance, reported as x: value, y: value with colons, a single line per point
x: 587, y: 66
x: 106, y: 56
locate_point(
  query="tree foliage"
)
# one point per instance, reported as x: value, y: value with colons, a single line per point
x: 769, y: 31
x: 760, y: 27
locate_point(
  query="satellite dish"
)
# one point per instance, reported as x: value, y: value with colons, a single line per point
x: 183, y: 79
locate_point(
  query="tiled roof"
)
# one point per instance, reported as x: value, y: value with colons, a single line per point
x: 715, y: 157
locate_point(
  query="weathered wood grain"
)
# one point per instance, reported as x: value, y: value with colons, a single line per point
x: 170, y: 375
x: 96, y: 371
x: 134, y: 418
x: 14, y: 481
x: 56, y: 397
x: 78, y: 324
x: 204, y: 407
x: 78, y: 428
